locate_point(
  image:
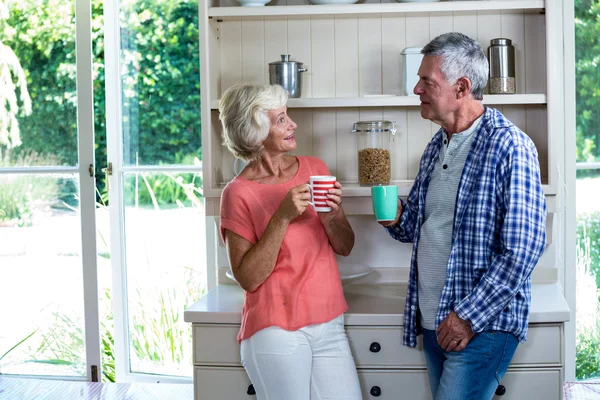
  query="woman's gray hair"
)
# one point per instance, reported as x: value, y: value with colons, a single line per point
x: 461, y: 57
x: 243, y: 114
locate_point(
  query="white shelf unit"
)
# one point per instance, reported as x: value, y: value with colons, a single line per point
x: 352, y: 53
x: 399, y: 101
x: 376, y: 8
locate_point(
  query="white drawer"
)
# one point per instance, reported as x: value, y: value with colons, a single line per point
x: 216, y: 344
x: 376, y: 347
x: 520, y: 384
x: 394, y: 385
x: 232, y: 383
x: 543, y: 346
x: 531, y: 384
x: 226, y: 383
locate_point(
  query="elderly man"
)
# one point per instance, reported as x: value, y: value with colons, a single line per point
x: 476, y: 216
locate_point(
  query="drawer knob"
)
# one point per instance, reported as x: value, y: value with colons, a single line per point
x: 500, y: 390
x: 251, y: 391
x: 375, y: 347
x: 375, y: 391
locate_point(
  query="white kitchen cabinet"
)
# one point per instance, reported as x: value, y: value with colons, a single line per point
x: 220, y: 383
x: 387, y: 369
x: 381, y: 347
x: 413, y: 385
x: 377, y: 347
x: 352, y: 53
x: 233, y: 384
x: 223, y: 348
x: 374, y: 328
x: 394, y: 384
x: 532, y: 383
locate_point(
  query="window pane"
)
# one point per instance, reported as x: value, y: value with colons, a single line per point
x: 42, y: 37
x: 103, y: 262
x: 165, y: 255
x: 588, y: 274
x: 41, y: 289
x: 160, y: 81
x: 587, y: 24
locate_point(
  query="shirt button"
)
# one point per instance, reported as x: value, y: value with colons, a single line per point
x: 413, y: 307
x: 445, y: 166
x: 445, y: 141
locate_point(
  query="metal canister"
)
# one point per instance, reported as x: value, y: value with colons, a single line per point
x: 287, y: 74
x: 501, y: 54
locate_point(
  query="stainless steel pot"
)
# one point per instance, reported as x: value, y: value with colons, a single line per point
x: 287, y: 74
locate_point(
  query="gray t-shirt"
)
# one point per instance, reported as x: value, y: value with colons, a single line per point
x: 435, y: 242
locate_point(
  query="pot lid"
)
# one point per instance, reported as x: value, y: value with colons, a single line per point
x: 375, y: 126
x: 285, y: 59
x: 501, y: 42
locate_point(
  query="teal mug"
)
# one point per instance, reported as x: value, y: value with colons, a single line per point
x: 385, y: 202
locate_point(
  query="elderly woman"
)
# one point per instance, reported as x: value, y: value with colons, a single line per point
x: 282, y: 253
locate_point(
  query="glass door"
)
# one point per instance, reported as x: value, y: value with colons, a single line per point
x: 587, y: 52
x: 154, y: 175
x: 48, y: 279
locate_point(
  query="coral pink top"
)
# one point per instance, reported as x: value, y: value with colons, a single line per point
x: 305, y: 286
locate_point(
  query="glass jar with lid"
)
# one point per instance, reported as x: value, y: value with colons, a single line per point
x: 374, y: 158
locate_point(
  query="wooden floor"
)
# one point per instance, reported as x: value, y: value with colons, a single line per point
x: 582, y: 390
x: 12, y: 388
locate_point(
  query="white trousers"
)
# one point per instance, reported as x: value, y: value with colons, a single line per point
x: 312, y: 363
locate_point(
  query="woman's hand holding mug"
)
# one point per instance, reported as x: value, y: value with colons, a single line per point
x: 294, y: 203
x: 325, y: 196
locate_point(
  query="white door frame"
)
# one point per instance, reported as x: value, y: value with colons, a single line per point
x: 87, y: 189
x: 112, y: 55
x: 114, y: 133
x: 87, y: 202
x: 570, y: 181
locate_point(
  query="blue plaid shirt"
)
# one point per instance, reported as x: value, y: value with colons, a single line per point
x: 498, y: 236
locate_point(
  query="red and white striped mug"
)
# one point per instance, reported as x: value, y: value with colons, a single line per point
x: 319, y: 187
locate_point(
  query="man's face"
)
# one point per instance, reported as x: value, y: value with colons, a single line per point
x: 438, y: 97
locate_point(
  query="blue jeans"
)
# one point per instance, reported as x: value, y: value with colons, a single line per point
x: 473, y: 373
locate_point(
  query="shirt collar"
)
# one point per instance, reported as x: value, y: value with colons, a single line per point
x: 461, y: 136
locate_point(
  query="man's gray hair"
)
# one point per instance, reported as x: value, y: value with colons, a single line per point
x: 461, y: 57
x: 243, y: 114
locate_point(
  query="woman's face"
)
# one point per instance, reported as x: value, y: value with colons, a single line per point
x: 281, y: 135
